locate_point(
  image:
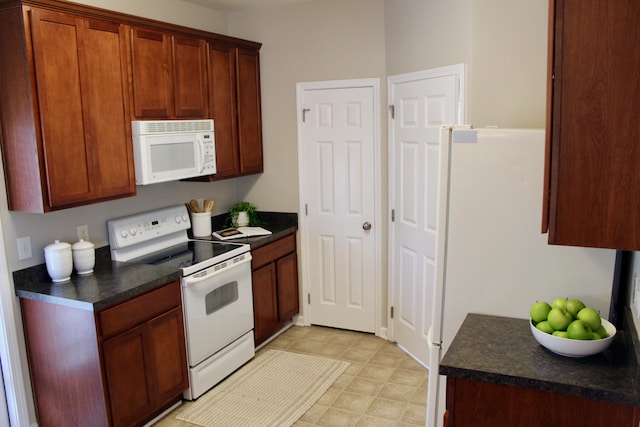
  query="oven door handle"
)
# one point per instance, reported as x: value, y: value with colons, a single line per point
x: 210, y: 272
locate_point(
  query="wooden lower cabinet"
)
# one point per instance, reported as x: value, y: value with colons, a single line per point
x: 478, y: 404
x: 118, y: 367
x: 275, y: 286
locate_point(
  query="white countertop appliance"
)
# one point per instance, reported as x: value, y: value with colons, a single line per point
x: 216, y: 289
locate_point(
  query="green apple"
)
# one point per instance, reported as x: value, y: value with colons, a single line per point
x: 602, y: 332
x: 560, y: 303
x: 561, y: 334
x: 579, y: 330
x: 573, y: 306
x: 591, y: 317
x: 559, y: 319
x: 595, y: 336
x: 544, y: 327
x: 539, y: 311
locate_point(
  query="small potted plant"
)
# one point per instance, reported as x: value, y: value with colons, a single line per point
x: 246, y: 212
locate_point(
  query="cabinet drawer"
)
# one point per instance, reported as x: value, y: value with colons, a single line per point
x: 273, y: 251
x: 122, y: 317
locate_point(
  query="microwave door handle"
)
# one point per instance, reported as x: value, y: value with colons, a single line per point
x: 201, y: 153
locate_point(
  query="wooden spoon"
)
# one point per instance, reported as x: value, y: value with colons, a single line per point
x: 208, y: 205
x: 195, y: 206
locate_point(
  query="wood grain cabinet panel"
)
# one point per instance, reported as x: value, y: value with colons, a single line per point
x: 152, y: 74
x: 169, y: 76
x: 111, y: 371
x: 66, y: 140
x: 224, y: 108
x: 480, y: 404
x: 275, y: 286
x: 249, y: 112
x: 190, y: 77
x: 234, y: 93
x: 593, y: 182
x: 265, y: 303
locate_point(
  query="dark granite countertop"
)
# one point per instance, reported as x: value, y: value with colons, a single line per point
x: 114, y: 282
x: 110, y: 283
x: 503, y: 350
x: 280, y: 224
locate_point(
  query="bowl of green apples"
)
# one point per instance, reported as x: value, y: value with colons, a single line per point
x: 569, y: 328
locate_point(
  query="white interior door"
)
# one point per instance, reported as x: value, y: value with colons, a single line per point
x: 422, y: 102
x: 338, y: 145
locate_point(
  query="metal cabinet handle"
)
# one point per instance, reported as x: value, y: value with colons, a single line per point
x: 366, y: 226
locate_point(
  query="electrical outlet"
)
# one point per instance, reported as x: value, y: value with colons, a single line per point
x: 24, y: 247
x: 83, y: 232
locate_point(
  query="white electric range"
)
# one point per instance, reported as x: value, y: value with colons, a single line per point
x: 216, y: 289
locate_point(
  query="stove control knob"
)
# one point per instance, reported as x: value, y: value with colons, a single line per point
x: 124, y: 233
x: 178, y: 219
x: 185, y: 217
x: 133, y: 230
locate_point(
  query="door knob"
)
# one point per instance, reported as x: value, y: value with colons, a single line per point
x: 366, y: 226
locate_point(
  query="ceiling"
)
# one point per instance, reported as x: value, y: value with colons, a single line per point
x: 238, y: 5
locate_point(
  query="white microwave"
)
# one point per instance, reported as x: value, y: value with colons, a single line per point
x: 170, y: 150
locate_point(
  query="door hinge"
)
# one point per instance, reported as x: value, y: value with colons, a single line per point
x: 309, y: 299
x: 391, y: 313
x: 392, y: 110
x: 393, y: 215
x: 306, y: 210
x: 304, y: 114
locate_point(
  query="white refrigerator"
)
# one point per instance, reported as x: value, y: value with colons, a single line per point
x: 491, y: 256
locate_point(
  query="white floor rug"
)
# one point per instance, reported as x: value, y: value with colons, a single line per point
x: 274, y: 389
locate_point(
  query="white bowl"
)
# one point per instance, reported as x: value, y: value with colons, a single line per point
x: 574, y: 348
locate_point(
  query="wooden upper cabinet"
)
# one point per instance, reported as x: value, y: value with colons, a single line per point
x: 234, y: 82
x: 151, y: 74
x: 190, y: 77
x: 593, y: 132
x: 224, y: 108
x: 169, y: 75
x: 65, y: 139
x: 249, y: 112
x: 72, y: 79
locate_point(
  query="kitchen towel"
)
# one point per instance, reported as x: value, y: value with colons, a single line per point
x: 274, y: 389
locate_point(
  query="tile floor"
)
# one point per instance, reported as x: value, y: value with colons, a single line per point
x: 383, y: 386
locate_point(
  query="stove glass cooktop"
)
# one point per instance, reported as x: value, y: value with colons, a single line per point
x: 191, y: 253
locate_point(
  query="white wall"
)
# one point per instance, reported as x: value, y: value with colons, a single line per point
x: 508, y: 64
x: 317, y: 40
x: 179, y: 12
x: 503, y: 44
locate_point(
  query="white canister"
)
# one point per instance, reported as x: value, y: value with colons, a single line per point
x: 201, y: 224
x: 59, y: 261
x: 84, y: 256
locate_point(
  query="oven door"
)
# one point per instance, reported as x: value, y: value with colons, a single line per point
x: 218, y: 307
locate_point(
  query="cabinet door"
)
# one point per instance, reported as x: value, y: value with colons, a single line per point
x: 151, y: 66
x: 82, y: 85
x: 287, y: 276
x: 594, y: 136
x: 106, y: 108
x: 222, y: 92
x: 249, y: 112
x: 128, y: 379
x: 167, y: 356
x: 190, y: 77
x: 69, y: 171
x: 265, y: 307
x: 479, y: 404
